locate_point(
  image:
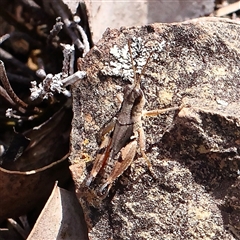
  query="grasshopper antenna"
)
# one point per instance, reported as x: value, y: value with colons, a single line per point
x: 133, y: 66
x: 137, y: 81
x: 144, y: 67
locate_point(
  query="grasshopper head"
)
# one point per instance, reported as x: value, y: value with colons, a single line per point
x: 133, y: 94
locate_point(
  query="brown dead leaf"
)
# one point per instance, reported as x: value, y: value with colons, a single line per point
x: 22, y: 191
x: 61, y: 218
x: 26, y: 181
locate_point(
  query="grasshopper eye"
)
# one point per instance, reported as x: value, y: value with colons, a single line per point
x: 138, y: 93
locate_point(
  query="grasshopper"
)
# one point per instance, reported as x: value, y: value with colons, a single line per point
x: 121, y: 137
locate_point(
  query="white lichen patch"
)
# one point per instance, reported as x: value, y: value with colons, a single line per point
x: 122, y: 67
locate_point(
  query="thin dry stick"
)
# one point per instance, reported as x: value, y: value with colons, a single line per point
x: 18, y: 228
x: 85, y: 40
x: 4, y: 37
x: 56, y: 29
x: 4, y: 94
x: 57, y: 6
x: 19, y: 103
x: 227, y: 9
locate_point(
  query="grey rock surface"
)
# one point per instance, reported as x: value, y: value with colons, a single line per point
x: 194, y: 151
x: 115, y: 14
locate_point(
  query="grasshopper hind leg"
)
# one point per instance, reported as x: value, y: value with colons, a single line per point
x: 127, y: 155
x: 142, y: 140
x: 102, y: 154
x: 100, y: 161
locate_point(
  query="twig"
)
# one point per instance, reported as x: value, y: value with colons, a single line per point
x: 73, y: 78
x: 4, y: 38
x: 8, y: 88
x: 10, y: 113
x: 30, y: 4
x: 57, y: 83
x: 4, y: 94
x: 41, y: 73
x: 84, y: 38
x: 55, y: 30
x: 11, y: 20
x: 68, y: 60
x: 57, y: 6
x: 18, y: 228
x: 227, y: 9
x: 19, y: 103
x: 25, y: 223
x: 54, y: 84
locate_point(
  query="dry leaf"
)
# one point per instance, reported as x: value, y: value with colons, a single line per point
x: 61, y: 218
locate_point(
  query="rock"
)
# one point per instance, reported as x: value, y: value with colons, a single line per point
x: 194, y: 151
x: 115, y: 14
